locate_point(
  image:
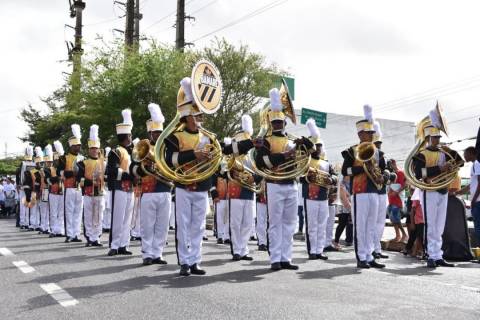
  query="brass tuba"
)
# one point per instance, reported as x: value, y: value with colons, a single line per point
x: 291, y: 169
x: 207, y: 95
x: 444, y: 179
x: 365, y: 152
x: 243, y: 172
x: 143, y: 152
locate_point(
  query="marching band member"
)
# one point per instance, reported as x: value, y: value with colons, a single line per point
x: 241, y: 201
x: 332, y: 211
x: 120, y: 183
x: 44, y: 207
x: 429, y: 163
x: 219, y: 194
x: 191, y: 200
x: 135, y: 224
x: 33, y: 191
x: 315, y: 186
x: 25, y: 166
x: 156, y: 196
x: 55, y: 193
x: 73, y: 200
x: 91, y: 179
x: 364, y: 190
x: 107, y: 214
x: 315, y: 194
x: 282, y: 194
x: 379, y: 225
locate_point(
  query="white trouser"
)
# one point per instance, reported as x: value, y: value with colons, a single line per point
x: 282, y: 218
x: 55, y: 203
x: 190, y: 212
x: 316, y: 217
x: 34, y: 217
x: 44, y: 216
x: 93, y: 208
x: 221, y: 211
x: 241, y: 216
x: 262, y: 223
x: 154, y: 219
x: 380, y: 225
x: 135, y: 225
x: 73, y: 211
x: 436, y: 214
x: 122, y: 209
x: 171, y: 221
x: 23, y: 210
x: 107, y: 214
x: 329, y: 226
x: 365, y: 211
x: 253, y: 229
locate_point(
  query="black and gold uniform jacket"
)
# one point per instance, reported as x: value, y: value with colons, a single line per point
x: 313, y: 191
x: 52, y: 179
x: 149, y: 184
x: 359, y: 181
x: 67, y: 166
x: 427, y: 163
x: 118, y: 169
x: 89, y: 170
x: 180, y: 149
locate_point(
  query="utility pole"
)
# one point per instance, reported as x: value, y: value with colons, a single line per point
x: 180, y: 32
x: 75, y: 53
x: 130, y: 22
x: 137, y: 17
x: 180, y: 26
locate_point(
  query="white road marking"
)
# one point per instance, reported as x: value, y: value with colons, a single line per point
x: 59, y: 294
x: 5, y: 252
x: 23, y: 266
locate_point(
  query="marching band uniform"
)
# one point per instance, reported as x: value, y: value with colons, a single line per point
x: 55, y: 194
x: 282, y: 195
x: 191, y: 201
x: 156, y: 198
x: 316, y: 200
x: 25, y: 166
x: 107, y: 214
x: 135, y: 224
x: 241, y: 202
x: 73, y: 200
x: 43, y: 204
x: 365, y: 196
x: 428, y: 164
x: 382, y: 203
x: 262, y: 220
x: 33, y: 179
x: 331, y: 210
x: 219, y: 193
x: 120, y: 183
x: 91, y: 179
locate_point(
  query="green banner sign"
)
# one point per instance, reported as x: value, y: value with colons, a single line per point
x: 319, y: 117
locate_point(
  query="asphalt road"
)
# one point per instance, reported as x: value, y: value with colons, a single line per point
x: 94, y: 286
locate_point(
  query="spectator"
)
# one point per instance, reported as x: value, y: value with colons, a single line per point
x: 344, y: 214
x: 395, y: 203
x: 2, y: 196
x: 414, y: 246
x: 10, y: 197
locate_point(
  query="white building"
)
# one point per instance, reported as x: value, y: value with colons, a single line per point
x: 340, y: 133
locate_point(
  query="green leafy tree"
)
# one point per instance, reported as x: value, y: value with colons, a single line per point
x: 113, y: 80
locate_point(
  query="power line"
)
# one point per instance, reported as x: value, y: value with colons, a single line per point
x: 203, y: 7
x: 247, y: 16
x: 166, y: 16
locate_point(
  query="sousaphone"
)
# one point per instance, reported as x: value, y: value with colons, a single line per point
x: 207, y: 90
